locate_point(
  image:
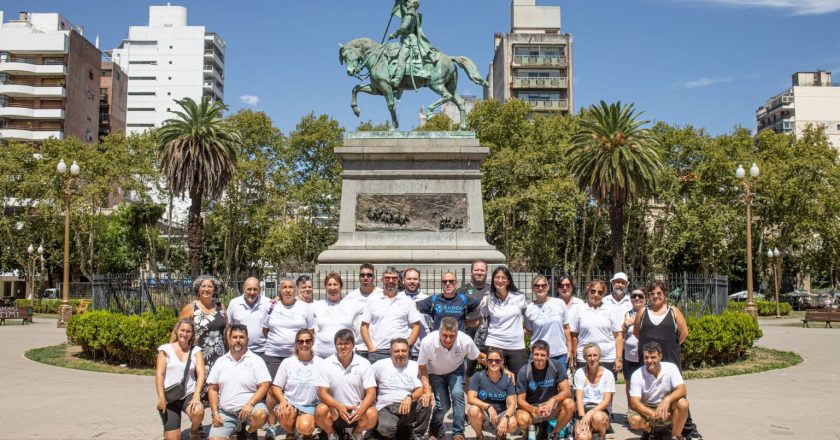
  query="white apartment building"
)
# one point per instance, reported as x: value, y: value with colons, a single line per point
x: 165, y: 61
x: 812, y: 100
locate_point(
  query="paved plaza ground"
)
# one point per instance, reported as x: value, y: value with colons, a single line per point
x: 45, y: 402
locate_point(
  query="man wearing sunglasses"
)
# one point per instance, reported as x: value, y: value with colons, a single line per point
x: 450, y: 303
x: 389, y: 316
x: 367, y: 289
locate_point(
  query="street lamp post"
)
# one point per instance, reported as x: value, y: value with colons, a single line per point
x: 740, y: 173
x: 64, y: 311
x: 33, y: 257
x: 773, y: 255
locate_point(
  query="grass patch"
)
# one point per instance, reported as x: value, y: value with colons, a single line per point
x: 70, y: 356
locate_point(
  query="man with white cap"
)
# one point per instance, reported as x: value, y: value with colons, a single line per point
x: 619, y: 301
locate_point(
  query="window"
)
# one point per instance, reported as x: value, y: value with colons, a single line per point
x: 141, y: 109
x: 106, y: 73
x: 838, y: 127
x: 143, y: 43
x: 142, y: 94
x: 90, y: 74
x: 145, y: 62
x: 142, y: 78
x: 141, y: 125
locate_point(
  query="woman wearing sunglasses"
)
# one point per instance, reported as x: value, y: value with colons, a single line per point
x: 546, y: 319
x: 333, y: 314
x: 598, y: 323
x: 631, y: 342
x: 294, y: 388
x: 492, y: 398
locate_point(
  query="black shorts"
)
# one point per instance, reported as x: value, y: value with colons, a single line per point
x: 589, y: 406
x: 171, y: 416
x: 340, y: 425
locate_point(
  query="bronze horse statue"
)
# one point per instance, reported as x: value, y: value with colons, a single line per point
x: 365, y: 54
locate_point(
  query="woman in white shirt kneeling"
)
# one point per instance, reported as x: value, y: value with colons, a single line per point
x: 294, y: 387
x: 594, y: 389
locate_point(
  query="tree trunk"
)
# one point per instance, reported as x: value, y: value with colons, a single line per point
x: 195, y: 232
x: 617, y: 234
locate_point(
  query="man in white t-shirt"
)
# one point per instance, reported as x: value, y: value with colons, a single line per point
x: 367, y: 289
x: 389, y: 316
x: 441, y: 367
x: 249, y: 309
x: 238, y: 383
x: 402, y: 415
x: 346, y: 391
x: 657, y: 394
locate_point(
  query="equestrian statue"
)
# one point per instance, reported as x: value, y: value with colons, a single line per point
x: 408, y: 65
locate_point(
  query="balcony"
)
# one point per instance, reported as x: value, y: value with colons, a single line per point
x: 22, y: 66
x: 30, y: 134
x: 524, y: 82
x: 549, y: 105
x: 539, y: 61
x: 212, y: 72
x: 10, y: 88
x: 210, y: 54
x: 23, y: 111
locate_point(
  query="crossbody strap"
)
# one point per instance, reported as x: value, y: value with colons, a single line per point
x: 187, y: 368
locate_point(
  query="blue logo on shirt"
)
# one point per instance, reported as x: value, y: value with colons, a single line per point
x: 532, y: 385
x: 482, y: 395
x: 438, y: 309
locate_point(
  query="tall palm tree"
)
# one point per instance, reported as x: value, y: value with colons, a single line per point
x: 197, y: 152
x: 616, y: 160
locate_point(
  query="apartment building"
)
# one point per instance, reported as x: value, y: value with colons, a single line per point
x: 533, y: 62
x: 49, y: 79
x: 113, y: 98
x: 451, y: 110
x: 812, y: 99
x: 165, y: 61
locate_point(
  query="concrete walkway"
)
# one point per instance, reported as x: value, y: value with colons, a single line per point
x: 44, y: 402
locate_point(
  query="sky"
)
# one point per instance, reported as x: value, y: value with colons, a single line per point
x: 705, y: 63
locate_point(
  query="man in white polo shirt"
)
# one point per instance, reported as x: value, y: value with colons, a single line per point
x: 441, y: 367
x: 249, y: 309
x: 367, y: 289
x: 619, y: 301
x: 657, y: 395
x: 346, y: 390
x: 389, y: 316
x: 238, y: 383
x: 402, y: 415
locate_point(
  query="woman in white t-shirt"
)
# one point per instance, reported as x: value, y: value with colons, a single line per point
x: 294, y: 387
x: 170, y: 369
x: 596, y: 322
x: 546, y: 319
x: 504, y: 310
x: 333, y: 314
x: 594, y: 390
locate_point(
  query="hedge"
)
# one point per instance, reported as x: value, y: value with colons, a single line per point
x: 765, y: 308
x: 718, y: 339
x: 51, y: 305
x: 118, y: 338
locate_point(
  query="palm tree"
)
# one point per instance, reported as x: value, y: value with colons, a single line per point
x: 197, y: 152
x: 616, y: 161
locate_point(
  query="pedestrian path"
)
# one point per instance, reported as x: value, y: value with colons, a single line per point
x: 43, y: 402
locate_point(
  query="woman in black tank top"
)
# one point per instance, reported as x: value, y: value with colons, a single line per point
x: 671, y: 330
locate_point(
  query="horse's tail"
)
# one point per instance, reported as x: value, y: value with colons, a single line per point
x: 472, y: 71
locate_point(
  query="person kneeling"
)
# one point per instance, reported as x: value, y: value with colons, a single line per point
x: 400, y: 402
x: 543, y: 393
x: 239, y: 382
x: 594, y: 390
x: 657, y: 395
x: 346, y: 390
x: 294, y: 388
x: 492, y: 396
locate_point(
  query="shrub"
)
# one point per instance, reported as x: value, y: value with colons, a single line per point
x: 716, y: 340
x: 765, y: 308
x: 118, y: 338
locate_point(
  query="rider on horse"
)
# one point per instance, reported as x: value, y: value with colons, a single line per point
x: 415, y: 49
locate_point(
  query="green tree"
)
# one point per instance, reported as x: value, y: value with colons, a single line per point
x: 198, y: 152
x: 439, y: 122
x: 616, y: 160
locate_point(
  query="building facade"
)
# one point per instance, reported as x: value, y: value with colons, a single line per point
x: 533, y: 62
x: 165, y: 61
x: 113, y: 99
x: 49, y: 79
x: 449, y: 109
x: 812, y: 99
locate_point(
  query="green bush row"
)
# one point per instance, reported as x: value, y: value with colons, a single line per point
x: 718, y: 339
x: 765, y: 308
x: 118, y: 338
x: 51, y: 305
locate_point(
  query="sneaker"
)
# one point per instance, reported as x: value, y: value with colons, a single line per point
x: 435, y: 435
x: 253, y: 436
x: 695, y: 435
x: 240, y: 435
x: 645, y: 436
x: 269, y: 433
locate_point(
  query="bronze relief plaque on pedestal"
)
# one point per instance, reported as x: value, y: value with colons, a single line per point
x: 411, y: 212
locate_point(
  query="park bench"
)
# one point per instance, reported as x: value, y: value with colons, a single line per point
x: 24, y: 313
x: 821, y: 315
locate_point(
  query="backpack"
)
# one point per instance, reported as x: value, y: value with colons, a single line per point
x: 463, y: 297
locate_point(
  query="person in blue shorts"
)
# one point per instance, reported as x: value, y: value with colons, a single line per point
x: 294, y: 387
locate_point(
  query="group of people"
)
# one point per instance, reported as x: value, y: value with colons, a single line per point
x: 389, y: 363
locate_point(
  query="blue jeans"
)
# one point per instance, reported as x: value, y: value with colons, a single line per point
x: 449, y: 392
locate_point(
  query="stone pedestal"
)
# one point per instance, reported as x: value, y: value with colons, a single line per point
x: 410, y: 199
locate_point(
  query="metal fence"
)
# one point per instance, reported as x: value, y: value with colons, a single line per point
x: 694, y: 294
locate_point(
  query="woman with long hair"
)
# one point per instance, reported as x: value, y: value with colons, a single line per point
x: 504, y: 310
x: 180, y: 361
x: 210, y: 322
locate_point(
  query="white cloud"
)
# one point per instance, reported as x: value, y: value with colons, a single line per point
x: 797, y: 7
x: 701, y: 82
x: 250, y: 100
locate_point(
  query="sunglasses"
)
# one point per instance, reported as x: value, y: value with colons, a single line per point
x: 565, y: 286
x: 304, y: 341
x: 448, y: 281
x: 598, y: 292
x: 494, y: 361
x: 637, y: 297
x: 539, y: 286
x: 365, y: 275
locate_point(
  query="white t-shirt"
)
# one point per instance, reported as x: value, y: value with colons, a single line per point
x: 297, y: 380
x: 505, y: 329
x: 390, y: 318
x: 357, y: 295
x: 283, y: 323
x: 631, y: 342
x: 330, y: 317
x: 440, y: 360
x: 594, y: 393
x: 620, y: 307
x: 239, y: 312
x: 394, y: 383
x: 425, y: 324
x: 653, y: 389
x: 546, y: 323
x: 346, y: 385
x: 598, y: 326
x: 175, y: 368
x: 238, y: 380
